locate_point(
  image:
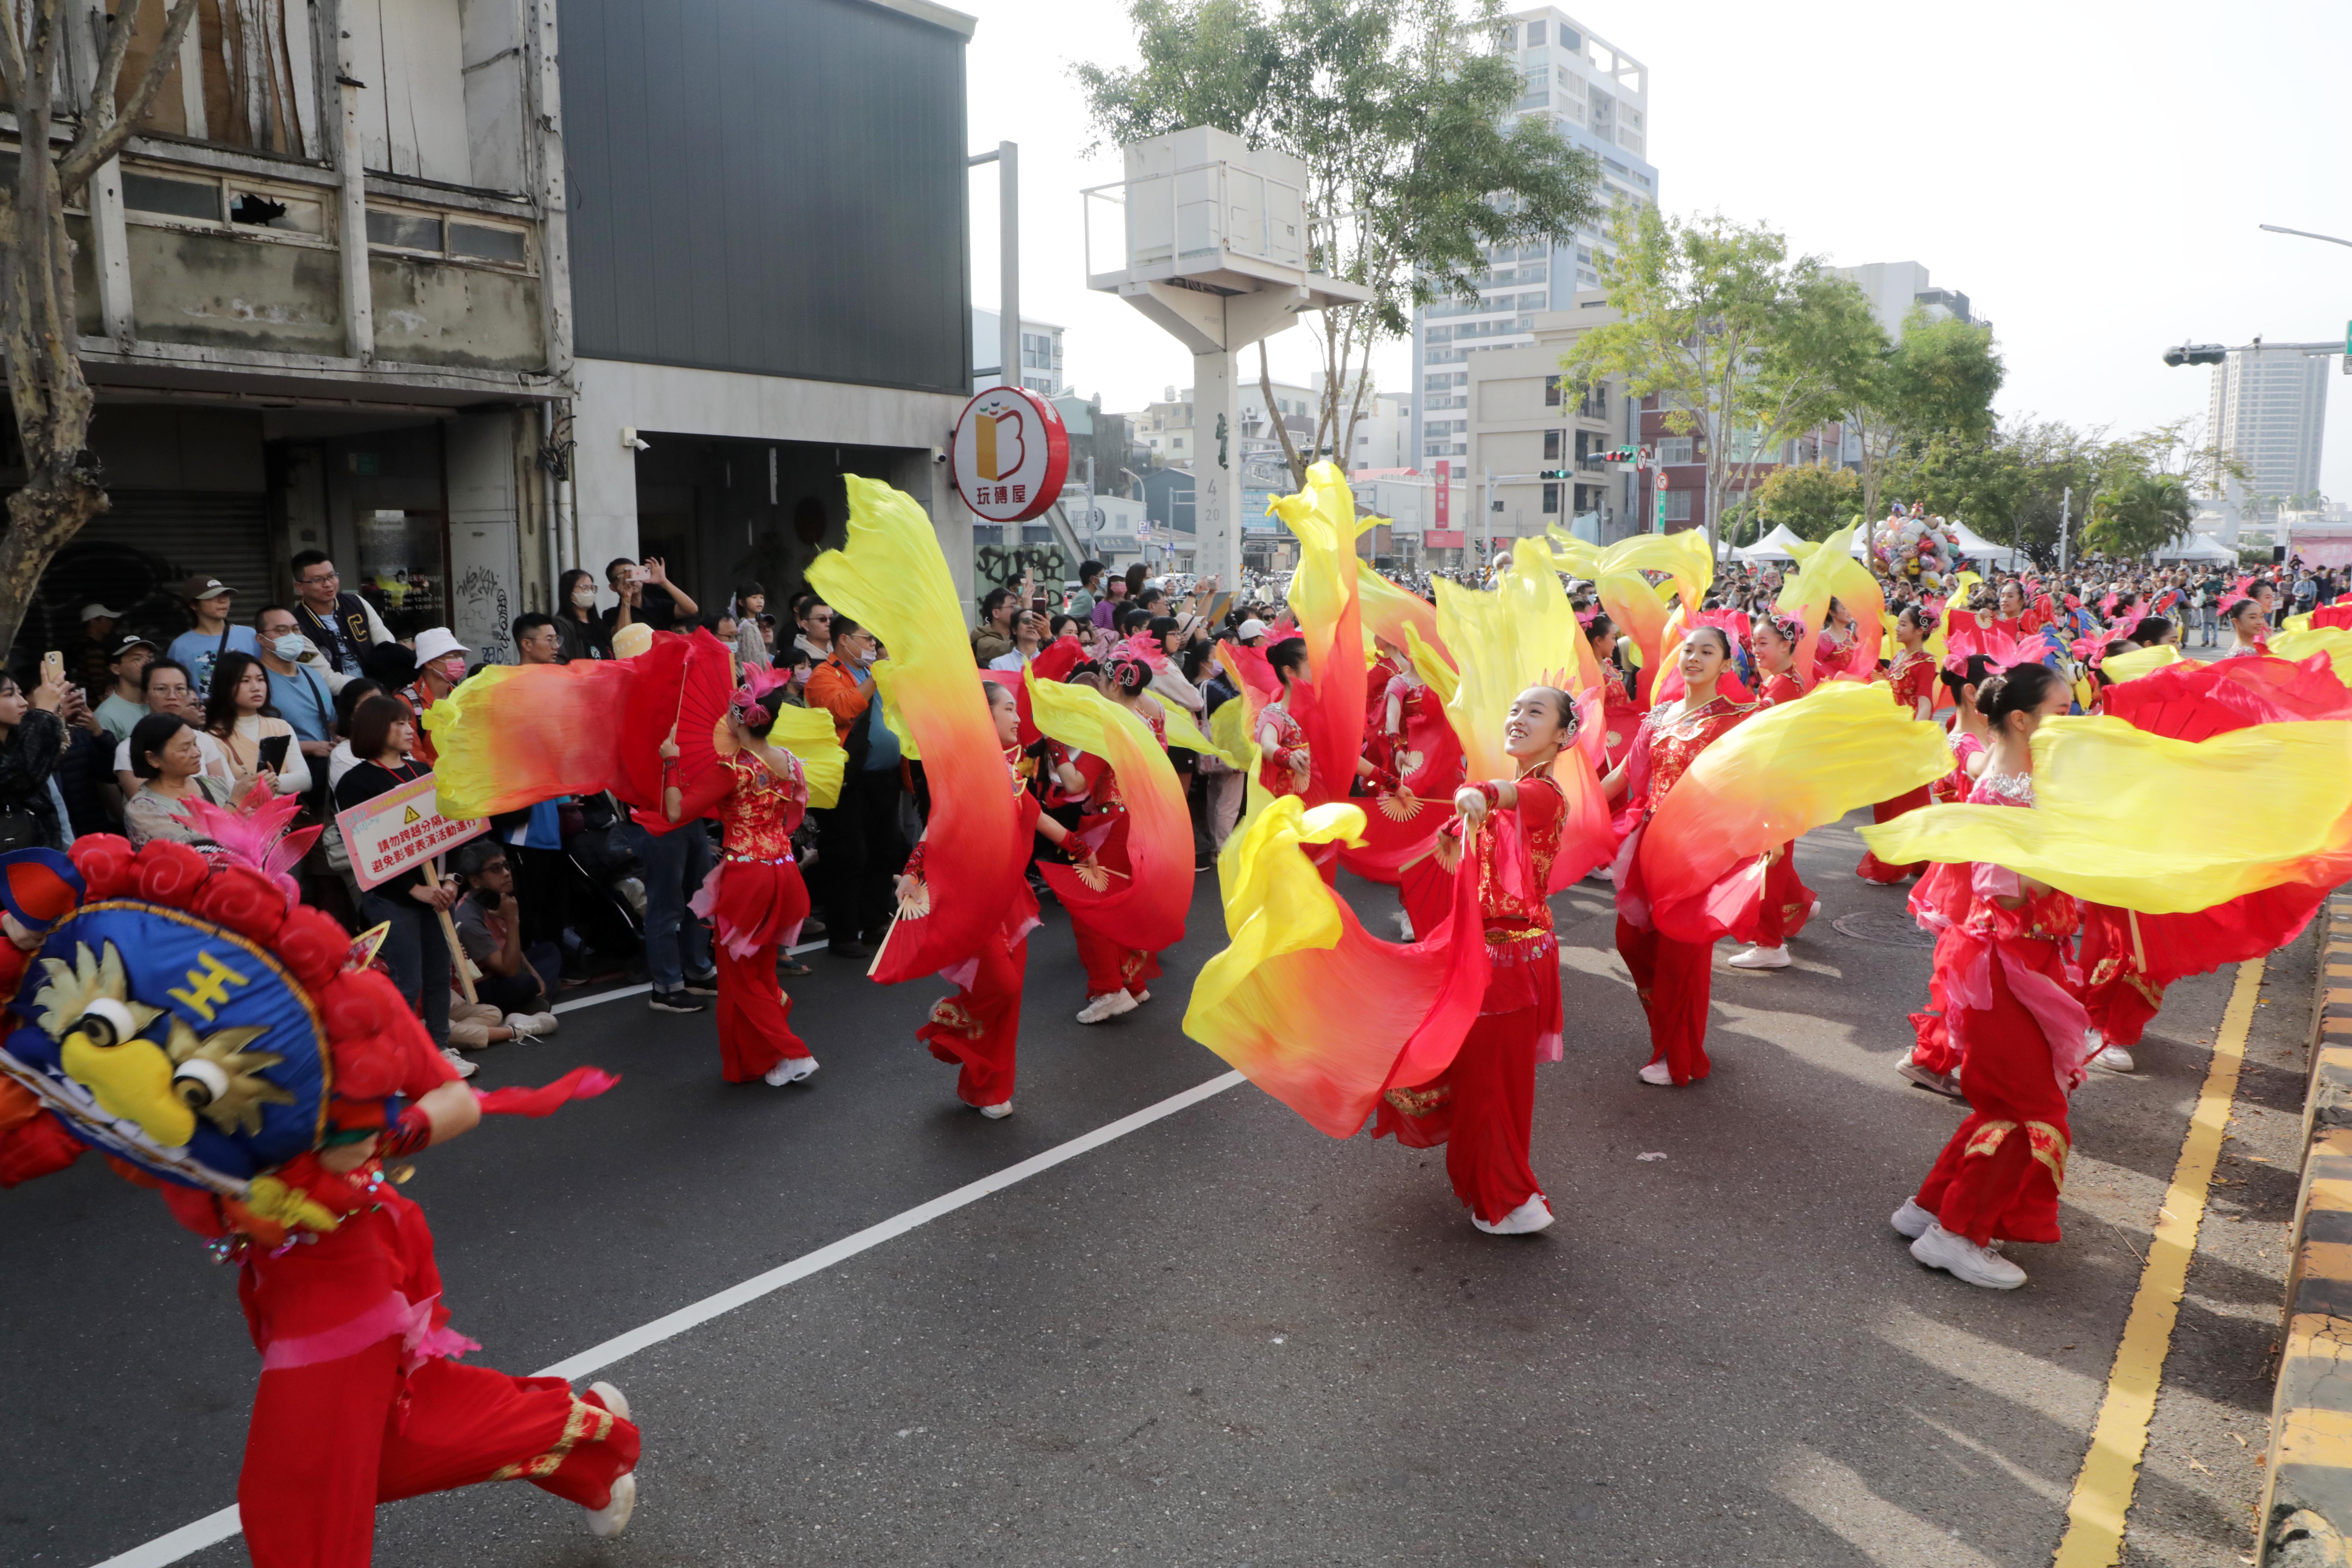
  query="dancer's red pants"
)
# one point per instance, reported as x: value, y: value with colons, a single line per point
x: 2000, y: 1176
x: 1481, y: 1107
x: 978, y: 1026
x: 755, y: 1030
x: 330, y: 1441
x: 1673, y: 979
x: 1934, y: 1048
x: 1786, y: 902
x: 1111, y: 968
x: 1873, y: 869
x: 1427, y: 893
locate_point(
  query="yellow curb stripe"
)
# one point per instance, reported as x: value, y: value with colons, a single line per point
x: 2316, y: 1437
x: 2103, y: 1489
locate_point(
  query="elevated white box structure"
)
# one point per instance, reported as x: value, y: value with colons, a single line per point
x: 1214, y: 242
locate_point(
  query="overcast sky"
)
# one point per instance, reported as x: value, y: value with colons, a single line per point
x: 2089, y: 173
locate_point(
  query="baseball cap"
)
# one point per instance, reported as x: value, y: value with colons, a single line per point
x: 128, y: 641
x: 203, y: 586
x: 94, y: 611
x: 437, y: 642
x: 1253, y: 627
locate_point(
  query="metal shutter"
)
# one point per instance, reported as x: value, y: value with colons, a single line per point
x: 133, y: 557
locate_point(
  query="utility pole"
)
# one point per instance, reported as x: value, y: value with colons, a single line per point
x: 1007, y: 159
x: 2066, y: 513
x: 1487, y: 557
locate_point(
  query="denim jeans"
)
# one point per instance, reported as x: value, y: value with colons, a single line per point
x: 416, y: 951
x: 677, y: 863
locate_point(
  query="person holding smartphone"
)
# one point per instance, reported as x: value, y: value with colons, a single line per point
x: 239, y: 715
x: 32, y: 739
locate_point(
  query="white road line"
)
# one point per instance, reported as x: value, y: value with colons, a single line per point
x: 215, y: 1528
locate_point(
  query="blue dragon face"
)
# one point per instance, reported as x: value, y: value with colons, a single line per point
x: 170, y: 1042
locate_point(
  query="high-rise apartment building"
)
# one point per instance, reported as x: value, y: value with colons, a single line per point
x: 2268, y: 409
x: 1598, y: 98
x: 1895, y: 289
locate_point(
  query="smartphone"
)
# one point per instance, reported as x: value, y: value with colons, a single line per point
x: 273, y: 752
x: 53, y: 669
x: 639, y: 576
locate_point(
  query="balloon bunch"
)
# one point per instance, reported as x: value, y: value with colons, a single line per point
x: 1927, y: 549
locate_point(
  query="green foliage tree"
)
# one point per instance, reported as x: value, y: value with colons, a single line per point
x: 1744, y: 344
x: 2140, y: 512
x: 1397, y: 108
x: 1937, y: 382
x: 1812, y: 499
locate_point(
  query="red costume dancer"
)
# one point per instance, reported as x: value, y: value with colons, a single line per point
x: 2013, y: 1009
x: 1425, y: 768
x: 1913, y: 677
x: 754, y: 899
x: 1482, y: 1107
x: 1620, y: 714
x: 1673, y: 978
x: 1783, y: 904
x: 1118, y: 977
x: 979, y: 1028
x: 188, y: 1018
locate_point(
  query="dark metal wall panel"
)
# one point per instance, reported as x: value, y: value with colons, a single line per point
x: 775, y: 186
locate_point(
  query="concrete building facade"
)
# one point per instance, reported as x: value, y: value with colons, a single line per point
x: 2268, y: 408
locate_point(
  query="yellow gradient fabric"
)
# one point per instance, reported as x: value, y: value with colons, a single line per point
x: 1828, y: 570
x: 2139, y: 661
x: 1391, y: 614
x: 891, y: 579
x: 2143, y: 822
x: 1147, y: 910
x: 2335, y: 642
x: 807, y: 733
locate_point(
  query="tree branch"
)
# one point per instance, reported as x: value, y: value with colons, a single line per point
x: 91, y: 149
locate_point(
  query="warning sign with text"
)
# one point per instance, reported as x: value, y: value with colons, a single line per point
x: 400, y: 830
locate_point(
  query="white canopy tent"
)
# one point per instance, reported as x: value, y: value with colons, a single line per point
x: 2196, y: 547
x: 1976, y: 547
x: 1773, y: 546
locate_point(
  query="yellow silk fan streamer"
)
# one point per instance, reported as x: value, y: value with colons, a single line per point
x: 1148, y: 911
x: 1392, y: 615
x: 1314, y: 1010
x: 2140, y: 821
x: 1520, y: 634
x: 892, y: 580
x: 2335, y: 642
x: 1322, y: 517
x: 807, y: 733
x: 1828, y: 570
x: 2139, y: 661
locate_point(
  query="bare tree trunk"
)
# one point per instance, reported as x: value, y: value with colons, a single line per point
x: 38, y: 337
x: 1289, y: 448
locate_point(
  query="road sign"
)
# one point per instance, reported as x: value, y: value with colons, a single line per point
x: 1010, y: 454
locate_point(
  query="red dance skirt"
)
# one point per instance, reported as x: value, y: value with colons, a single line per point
x: 978, y: 1026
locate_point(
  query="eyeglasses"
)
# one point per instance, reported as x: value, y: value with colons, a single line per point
x: 330, y: 576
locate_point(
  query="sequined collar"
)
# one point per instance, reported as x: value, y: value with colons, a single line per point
x: 2016, y: 787
x: 1683, y: 724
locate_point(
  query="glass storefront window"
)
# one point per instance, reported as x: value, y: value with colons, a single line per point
x: 400, y: 567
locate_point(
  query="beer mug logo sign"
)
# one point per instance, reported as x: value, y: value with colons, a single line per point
x: 1010, y: 455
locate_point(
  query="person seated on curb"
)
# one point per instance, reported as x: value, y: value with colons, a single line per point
x: 513, y: 1001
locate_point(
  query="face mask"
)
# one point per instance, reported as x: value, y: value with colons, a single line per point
x: 290, y: 646
x: 583, y: 597
x: 453, y: 670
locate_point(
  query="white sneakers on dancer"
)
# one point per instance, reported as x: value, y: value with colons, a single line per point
x: 1524, y: 1220
x: 1964, y: 1259
x: 997, y: 1112
x: 1911, y: 1221
x: 1926, y: 1077
x: 1760, y: 958
x: 1098, y: 1008
x: 2114, y: 1058
x: 1657, y: 1072
x: 613, y: 1517
x: 792, y: 1069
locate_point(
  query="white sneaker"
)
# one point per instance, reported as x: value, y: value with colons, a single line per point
x: 524, y: 1026
x: 1912, y: 1220
x: 1141, y: 997
x: 1964, y: 1259
x: 1404, y: 925
x: 792, y: 1069
x: 2114, y: 1058
x: 613, y: 1517
x: 465, y: 1068
x: 546, y: 1022
x: 997, y: 1112
x: 1760, y: 958
x: 614, y: 1400
x: 1524, y: 1220
x: 1097, y: 1009
x: 1657, y: 1072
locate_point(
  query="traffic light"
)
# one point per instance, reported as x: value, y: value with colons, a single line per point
x: 1555, y: 474
x: 2195, y: 354
x: 1621, y: 455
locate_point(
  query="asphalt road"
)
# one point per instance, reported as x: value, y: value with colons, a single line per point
x: 1224, y: 1339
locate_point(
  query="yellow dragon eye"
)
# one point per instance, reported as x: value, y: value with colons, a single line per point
x: 199, y: 1083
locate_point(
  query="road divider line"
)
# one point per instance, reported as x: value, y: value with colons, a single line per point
x: 617, y: 994
x: 2103, y: 1489
x: 215, y: 1528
